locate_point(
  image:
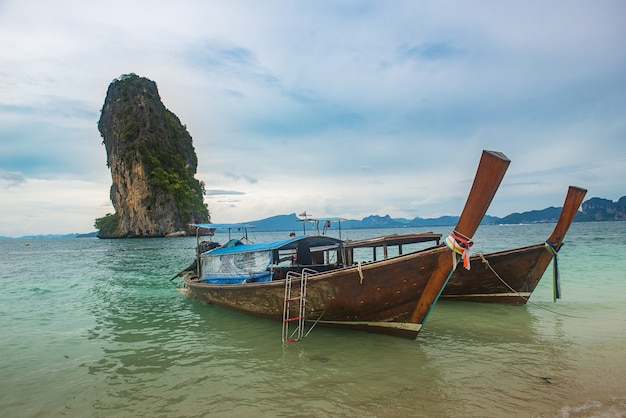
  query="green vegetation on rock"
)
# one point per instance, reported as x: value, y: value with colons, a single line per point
x: 108, y: 225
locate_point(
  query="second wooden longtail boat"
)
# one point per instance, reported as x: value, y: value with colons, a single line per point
x: 392, y: 296
x: 510, y: 276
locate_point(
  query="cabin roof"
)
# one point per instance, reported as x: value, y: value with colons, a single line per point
x: 394, y: 239
x: 286, y: 244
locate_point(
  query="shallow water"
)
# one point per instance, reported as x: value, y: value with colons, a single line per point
x: 95, y: 328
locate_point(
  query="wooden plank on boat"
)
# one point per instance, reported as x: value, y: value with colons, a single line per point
x: 394, y: 239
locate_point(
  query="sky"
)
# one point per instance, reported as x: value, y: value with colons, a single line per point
x: 336, y: 108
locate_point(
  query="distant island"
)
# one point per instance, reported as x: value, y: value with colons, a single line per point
x: 49, y: 236
x: 593, y: 210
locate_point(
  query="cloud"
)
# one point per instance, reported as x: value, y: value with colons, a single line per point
x: 244, y: 177
x: 222, y: 192
x: 229, y: 61
x: 11, y: 178
x: 430, y: 51
x: 340, y: 108
x: 51, y: 206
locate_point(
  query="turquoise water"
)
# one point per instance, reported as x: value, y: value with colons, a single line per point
x: 94, y: 328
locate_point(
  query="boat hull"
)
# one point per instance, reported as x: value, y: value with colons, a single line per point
x: 392, y: 296
x: 510, y: 276
x: 507, y: 277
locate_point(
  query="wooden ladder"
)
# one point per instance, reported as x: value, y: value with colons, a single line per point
x: 294, y: 308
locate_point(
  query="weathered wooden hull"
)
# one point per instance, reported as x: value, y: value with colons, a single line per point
x: 510, y: 276
x: 506, y: 277
x: 381, y: 296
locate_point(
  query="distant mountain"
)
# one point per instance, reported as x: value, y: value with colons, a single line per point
x: 49, y: 236
x: 550, y: 214
x: 34, y: 237
x: 93, y: 234
x: 375, y: 221
x: 293, y: 223
x: 594, y: 209
x: 278, y: 223
x: 598, y: 209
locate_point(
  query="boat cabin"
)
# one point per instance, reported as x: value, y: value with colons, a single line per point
x: 386, y: 242
x: 237, y: 262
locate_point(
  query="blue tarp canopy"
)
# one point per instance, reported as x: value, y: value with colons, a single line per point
x: 250, y: 262
x: 285, y: 244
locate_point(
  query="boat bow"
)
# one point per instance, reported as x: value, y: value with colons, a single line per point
x: 491, y: 170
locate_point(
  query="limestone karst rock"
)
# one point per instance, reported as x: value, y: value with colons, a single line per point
x: 152, y: 162
x: 599, y: 209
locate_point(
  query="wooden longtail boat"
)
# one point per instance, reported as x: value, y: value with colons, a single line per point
x: 510, y: 276
x: 392, y: 296
x: 505, y: 277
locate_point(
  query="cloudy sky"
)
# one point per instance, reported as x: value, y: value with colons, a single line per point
x: 340, y: 108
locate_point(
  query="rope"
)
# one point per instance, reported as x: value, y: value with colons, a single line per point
x: 556, y: 277
x: 459, y: 244
x: 358, y: 267
x: 314, y: 324
x: 486, y: 262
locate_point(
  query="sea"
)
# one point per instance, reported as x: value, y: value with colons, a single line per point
x: 97, y: 328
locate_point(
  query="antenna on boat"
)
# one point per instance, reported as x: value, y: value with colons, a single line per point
x: 306, y: 218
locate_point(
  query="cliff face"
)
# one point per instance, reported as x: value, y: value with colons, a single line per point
x: 598, y: 209
x: 152, y: 162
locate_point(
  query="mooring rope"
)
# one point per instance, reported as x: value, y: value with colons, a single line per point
x: 486, y: 262
x: 360, y: 270
x: 314, y: 324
